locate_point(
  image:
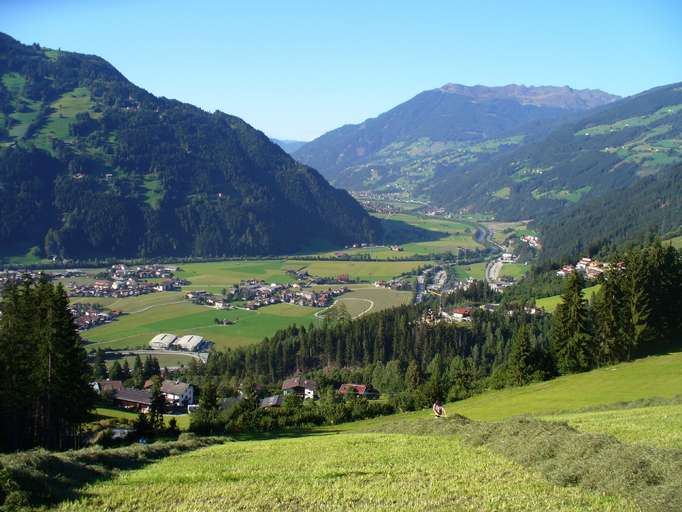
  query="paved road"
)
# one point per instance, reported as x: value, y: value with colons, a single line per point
x: 200, y: 356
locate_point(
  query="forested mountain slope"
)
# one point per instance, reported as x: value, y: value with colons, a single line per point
x: 92, y: 165
x: 612, y: 148
x: 649, y: 207
x: 438, y: 131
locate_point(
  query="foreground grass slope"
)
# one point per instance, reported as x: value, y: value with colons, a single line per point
x: 339, y: 472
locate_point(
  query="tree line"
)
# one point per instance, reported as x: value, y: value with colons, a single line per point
x: 45, y: 393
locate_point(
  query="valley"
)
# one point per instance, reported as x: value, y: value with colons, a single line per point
x: 306, y: 285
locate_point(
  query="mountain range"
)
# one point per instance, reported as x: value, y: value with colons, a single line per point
x: 92, y: 165
x: 439, y: 131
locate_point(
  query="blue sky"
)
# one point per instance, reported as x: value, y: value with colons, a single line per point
x: 297, y: 69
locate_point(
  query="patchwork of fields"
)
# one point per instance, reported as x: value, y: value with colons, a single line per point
x: 151, y: 314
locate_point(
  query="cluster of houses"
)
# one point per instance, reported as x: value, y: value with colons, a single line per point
x: 129, y: 281
x: 178, y: 395
x: 258, y: 294
x: 531, y: 240
x: 306, y: 389
x: 393, y: 284
x: 447, y: 315
x: 187, y: 343
x: 88, y: 316
x: 590, y: 268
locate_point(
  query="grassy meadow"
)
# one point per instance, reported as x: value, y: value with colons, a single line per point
x: 658, y: 425
x: 359, y: 471
x: 550, y: 303
x: 513, y: 270
x: 475, y: 271
x: 138, y: 328
x: 365, y: 299
x: 215, y: 276
x: 449, y: 236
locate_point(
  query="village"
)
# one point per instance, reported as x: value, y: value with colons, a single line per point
x: 254, y: 294
x: 591, y: 269
x: 123, y: 281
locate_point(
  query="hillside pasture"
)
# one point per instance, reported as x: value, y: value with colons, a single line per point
x: 659, y: 425
x: 655, y: 376
x: 549, y: 304
x: 339, y: 472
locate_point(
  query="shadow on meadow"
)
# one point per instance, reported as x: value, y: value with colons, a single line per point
x: 39, y: 477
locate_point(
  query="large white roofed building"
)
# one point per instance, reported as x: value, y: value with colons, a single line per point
x: 191, y: 342
x: 162, y: 341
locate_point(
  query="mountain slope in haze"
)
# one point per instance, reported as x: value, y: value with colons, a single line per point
x: 439, y: 130
x: 91, y: 165
x: 290, y: 146
x: 606, y: 150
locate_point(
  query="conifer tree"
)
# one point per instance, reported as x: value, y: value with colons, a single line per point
x: 116, y: 372
x: 521, y: 358
x: 572, y: 341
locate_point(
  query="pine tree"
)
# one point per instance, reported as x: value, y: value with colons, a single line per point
x: 608, y: 317
x: 572, y: 342
x: 116, y: 372
x: 99, y: 369
x: 520, y: 368
x: 157, y: 407
x: 138, y: 373
x: 412, y: 376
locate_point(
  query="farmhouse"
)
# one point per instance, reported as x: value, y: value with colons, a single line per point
x: 177, y: 393
x: 162, y: 341
x: 302, y: 388
x: 107, y: 386
x: 363, y: 390
x: 133, y: 399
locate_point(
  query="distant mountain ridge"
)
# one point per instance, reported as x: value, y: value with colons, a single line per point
x: 289, y: 146
x: 454, y: 125
x: 94, y: 166
x: 541, y: 96
x: 606, y: 149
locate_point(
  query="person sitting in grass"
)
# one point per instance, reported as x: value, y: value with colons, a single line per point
x: 439, y: 410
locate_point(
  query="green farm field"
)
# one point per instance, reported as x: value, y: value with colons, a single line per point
x: 365, y: 299
x: 475, y: 271
x: 137, y: 329
x: 452, y: 236
x: 513, y: 270
x: 215, y: 276
x: 550, y: 303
